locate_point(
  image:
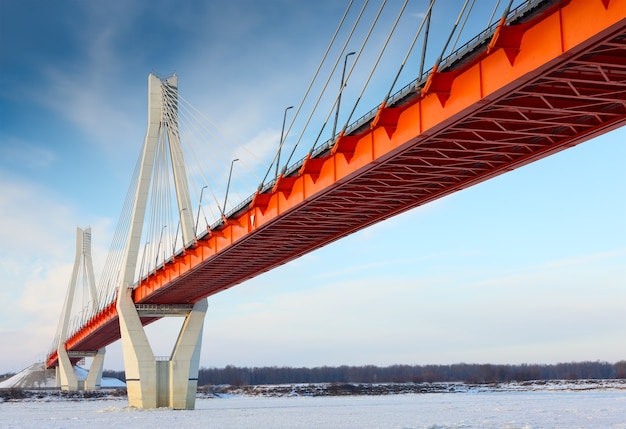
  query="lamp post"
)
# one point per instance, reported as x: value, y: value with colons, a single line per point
x: 195, y: 230
x: 156, y: 258
x: 228, y: 184
x: 145, y: 246
x: 343, y: 76
x: 280, y: 145
x: 180, y: 220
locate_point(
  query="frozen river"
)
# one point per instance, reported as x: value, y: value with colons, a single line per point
x: 540, y: 409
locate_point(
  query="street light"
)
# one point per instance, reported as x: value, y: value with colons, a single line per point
x: 195, y: 230
x: 282, y: 131
x: 156, y: 258
x: 180, y: 221
x: 343, y: 76
x: 142, y: 261
x: 228, y: 184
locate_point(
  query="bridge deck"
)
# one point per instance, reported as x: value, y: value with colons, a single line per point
x: 538, y: 88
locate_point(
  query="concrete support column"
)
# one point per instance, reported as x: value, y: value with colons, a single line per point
x: 139, y: 362
x: 94, y: 377
x: 66, y: 378
x: 151, y: 383
x: 185, y: 360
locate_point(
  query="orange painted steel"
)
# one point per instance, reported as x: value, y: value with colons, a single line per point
x: 546, y: 83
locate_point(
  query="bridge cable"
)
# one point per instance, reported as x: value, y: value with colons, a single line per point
x: 425, y: 21
x: 187, y: 118
x: 194, y: 113
x: 339, y: 56
x: 206, y: 183
x: 166, y: 195
x: 105, y: 292
x: 168, y: 158
x: 152, y: 223
x: 147, y: 233
x: 493, y: 12
x: 194, y: 154
x: 507, y: 10
x: 456, y: 24
x: 391, y: 31
x: 109, y: 279
x: 463, y: 26
x: 193, y: 127
x: 358, y: 55
x: 160, y: 221
x: 177, y: 158
x: 195, y: 130
x: 161, y: 215
x: 325, y: 86
x: 323, y: 60
x: 87, y: 303
x: 425, y: 44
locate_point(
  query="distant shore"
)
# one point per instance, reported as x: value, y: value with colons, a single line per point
x: 326, y: 389
x: 374, y: 389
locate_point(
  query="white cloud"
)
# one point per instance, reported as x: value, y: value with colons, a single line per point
x: 93, y: 105
x: 15, y: 151
x: 87, y: 86
x: 37, y: 230
x: 31, y: 215
x: 381, y: 318
x: 418, y: 15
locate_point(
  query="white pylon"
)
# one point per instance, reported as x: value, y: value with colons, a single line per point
x: 66, y: 377
x: 173, y: 383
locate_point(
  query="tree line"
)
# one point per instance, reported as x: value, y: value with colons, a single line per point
x: 461, y: 372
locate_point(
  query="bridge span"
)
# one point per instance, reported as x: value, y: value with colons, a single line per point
x: 548, y: 81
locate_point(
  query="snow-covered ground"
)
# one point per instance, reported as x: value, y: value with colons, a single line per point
x: 603, y: 407
x: 378, y: 389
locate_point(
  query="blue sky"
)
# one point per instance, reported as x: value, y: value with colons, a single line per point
x: 528, y: 267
